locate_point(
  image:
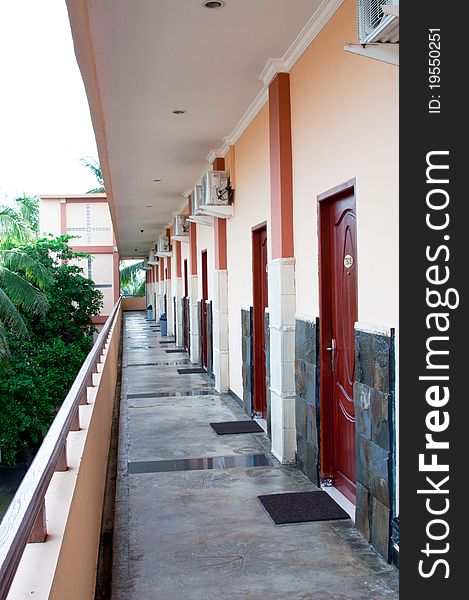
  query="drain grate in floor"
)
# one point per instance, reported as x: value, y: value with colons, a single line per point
x: 199, y: 464
x: 161, y: 364
x: 174, y: 394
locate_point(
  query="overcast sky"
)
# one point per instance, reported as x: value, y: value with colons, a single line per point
x: 45, y: 126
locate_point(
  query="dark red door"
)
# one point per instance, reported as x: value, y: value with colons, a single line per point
x: 260, y: 303
x: 339, y: 312
x: 204, y: 307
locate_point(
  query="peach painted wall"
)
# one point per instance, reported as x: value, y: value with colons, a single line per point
x: 133, y: 303
x: 345, y: 125
x: 49, y: 216
x: 100, y: 218
x: 251, y: 208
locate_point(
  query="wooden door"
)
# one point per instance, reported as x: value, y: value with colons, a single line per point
x: 260, y: 303
x: 204, y: 307
x: 339, y: 312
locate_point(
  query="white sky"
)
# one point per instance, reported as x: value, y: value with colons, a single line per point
x: 45, y: 126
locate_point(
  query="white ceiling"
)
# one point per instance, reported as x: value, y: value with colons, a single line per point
x: 154, y: 56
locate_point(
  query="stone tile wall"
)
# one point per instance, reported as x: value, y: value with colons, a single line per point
x: 374, y: 410
x: 267, y: 371
x: 247, y: 359
x: 201, y: 333
x: 307, y: 397
x: 209, y: 334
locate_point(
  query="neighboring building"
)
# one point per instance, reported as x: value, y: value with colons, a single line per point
x: 289, y: 294
x: 87, y: 218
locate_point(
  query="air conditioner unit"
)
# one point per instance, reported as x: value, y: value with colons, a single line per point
x: 216, y: 190
x: 181, y: 225
x: 152, y: 258
x: 163, y: 244
x: 196, y: 200
x: 374, y: 24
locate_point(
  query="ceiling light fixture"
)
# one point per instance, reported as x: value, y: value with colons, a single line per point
x: 213, y: 4
x: 179, y: 111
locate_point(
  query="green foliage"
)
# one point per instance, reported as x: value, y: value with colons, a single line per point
x: 43, y: 366
x: 19, y: 223
x: 132, y: 279
x: 94, y: 166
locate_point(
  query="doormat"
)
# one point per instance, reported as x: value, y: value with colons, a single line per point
x: 302, y: 507
x: 175, y: 350
x: 229, y: 427
x: 191, y: 370
x: 167, y: 342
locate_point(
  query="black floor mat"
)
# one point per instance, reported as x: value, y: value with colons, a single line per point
x: 230, y: 427
x: 167, y: 342
x: 302, y: 507
x: 192, y: 370
x: 175, y: 350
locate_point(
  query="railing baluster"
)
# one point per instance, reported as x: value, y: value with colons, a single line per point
x: 62, y: 464
x: 38, y: 533
x: 75, y: 426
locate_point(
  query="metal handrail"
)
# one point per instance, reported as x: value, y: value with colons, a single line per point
x: 20, y: 517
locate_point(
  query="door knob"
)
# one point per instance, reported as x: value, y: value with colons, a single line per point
x: 331, y: 349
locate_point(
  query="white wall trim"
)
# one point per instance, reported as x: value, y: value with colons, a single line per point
x: 375, y: 329
x: 310, y: 31
x: 248, y: 117
x: 272, y: 67
x: 306, y: 318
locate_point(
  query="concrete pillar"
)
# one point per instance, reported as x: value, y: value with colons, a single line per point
x: 193, y: 320
x: 178, y: 292
x: 179, y: 325
x: 282, y: 357
x: 281, y: 276
x: 220, y: 331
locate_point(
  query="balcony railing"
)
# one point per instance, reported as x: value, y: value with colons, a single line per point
x: 25, y: 519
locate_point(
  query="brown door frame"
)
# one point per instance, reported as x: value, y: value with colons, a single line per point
x: 204, y: 269
x: 259, y: 388
x: 326, y: 467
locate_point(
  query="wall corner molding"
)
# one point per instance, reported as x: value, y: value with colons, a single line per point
x: 310, y: 31
x: 273, y: 66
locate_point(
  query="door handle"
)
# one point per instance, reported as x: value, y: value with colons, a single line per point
x: 331, y: 349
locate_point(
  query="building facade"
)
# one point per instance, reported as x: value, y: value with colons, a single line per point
x: 87, y: 218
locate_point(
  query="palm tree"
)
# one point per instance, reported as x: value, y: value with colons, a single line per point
x: 132, y: 280
x: 22, y: 283
x: 28, y: 209
x: 94, y: 166
x: 13, y: 227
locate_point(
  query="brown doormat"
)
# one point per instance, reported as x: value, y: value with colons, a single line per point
x: 302, y: 507
x: 191, y: 370
x: 231, y: 427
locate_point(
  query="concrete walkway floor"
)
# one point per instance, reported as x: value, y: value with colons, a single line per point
x: 186, y: 532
